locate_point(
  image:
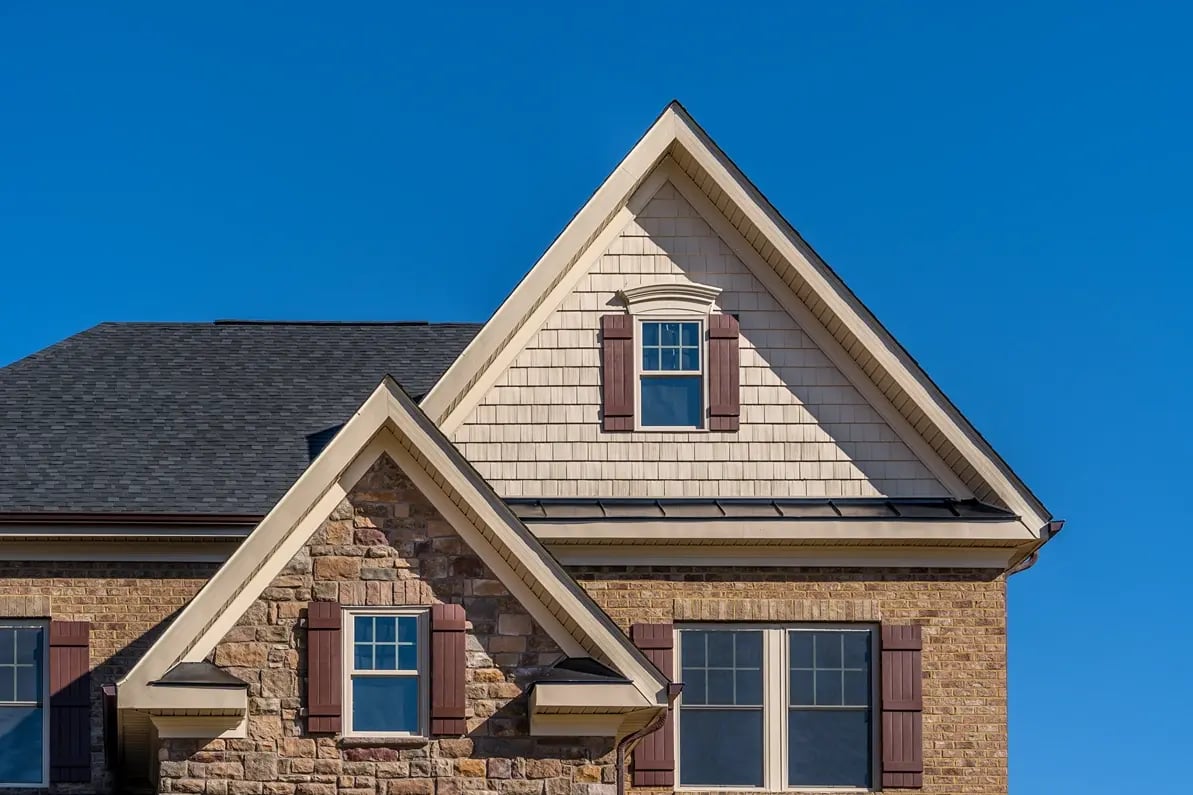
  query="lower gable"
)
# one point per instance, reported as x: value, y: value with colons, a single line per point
x: 805, y: 430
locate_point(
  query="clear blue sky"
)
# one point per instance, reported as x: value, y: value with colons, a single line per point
x: 1008, y: 186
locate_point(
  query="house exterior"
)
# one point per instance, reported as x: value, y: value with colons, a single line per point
x: 681, y: 516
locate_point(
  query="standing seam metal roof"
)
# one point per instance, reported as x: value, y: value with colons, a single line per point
x: 211, y: 418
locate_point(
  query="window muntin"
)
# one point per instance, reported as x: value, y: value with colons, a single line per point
x: 671, y: 374
x: 23, y: 723
x: 724, y: 671
x: 387, y: 673
x: 829, y: 705
x: 776, y: 707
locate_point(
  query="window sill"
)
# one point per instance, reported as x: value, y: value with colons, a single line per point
x: 382, y: 741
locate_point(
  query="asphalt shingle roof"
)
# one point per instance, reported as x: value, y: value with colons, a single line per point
x: 211, y: 418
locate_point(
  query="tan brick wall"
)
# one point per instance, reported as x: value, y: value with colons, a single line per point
x: 386, y: 545
x: 962, y: 611
x: 128, y: 605
x: 805, y: 430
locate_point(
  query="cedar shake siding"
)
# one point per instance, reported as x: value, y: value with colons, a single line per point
x: 127, y: 605
x: 386, y: 545
x: 803, y: 429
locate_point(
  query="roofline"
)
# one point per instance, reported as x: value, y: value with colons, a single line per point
x: 172, y: 520
x: 391, y: 423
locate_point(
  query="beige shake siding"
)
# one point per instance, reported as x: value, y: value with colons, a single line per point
x: 805, y: 431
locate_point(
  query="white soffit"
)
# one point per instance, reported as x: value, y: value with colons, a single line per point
x: 676, y: 149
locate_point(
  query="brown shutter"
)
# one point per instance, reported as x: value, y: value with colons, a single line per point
x: 447, y: 670
x: 724, y: 390
x: 325, y: 668
x: 902, y: 708
x: 654, y: 756
x: 617, y: 358
x: 70, y: 701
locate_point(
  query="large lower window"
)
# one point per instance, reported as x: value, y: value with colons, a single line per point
x: 386, y: 688
x: 671, y: 380
x: 22, y: 703
x: 776, y: 707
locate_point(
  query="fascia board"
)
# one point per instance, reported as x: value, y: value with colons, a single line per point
x: 746, y: 532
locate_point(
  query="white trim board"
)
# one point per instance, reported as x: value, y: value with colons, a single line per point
x: 390, y: 423
x: 970, y: 460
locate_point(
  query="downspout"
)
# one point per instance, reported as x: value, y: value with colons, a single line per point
x: 623, y: 745
x: 1049, y: 530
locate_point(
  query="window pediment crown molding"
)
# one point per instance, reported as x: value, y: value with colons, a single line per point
x: 669, y: 298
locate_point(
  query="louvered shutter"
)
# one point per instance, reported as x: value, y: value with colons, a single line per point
x: 70, y: 702
x: 447, y: 670
x: 325, y: 668
x: 617, y: 371
x: 902, y: 708
x: 724, y: 382
x: 654, y: 756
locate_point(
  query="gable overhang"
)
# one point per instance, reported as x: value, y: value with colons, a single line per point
x: 390, y: 423
x: 676, y: 150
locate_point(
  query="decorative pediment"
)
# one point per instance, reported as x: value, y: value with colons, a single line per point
x: 670, y: 298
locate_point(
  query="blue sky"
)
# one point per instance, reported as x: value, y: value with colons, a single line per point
x: 1006, y: 185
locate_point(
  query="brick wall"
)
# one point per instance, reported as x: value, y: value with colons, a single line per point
x: 128, y: 605
x: 962, y: 611
x: 386, y: 545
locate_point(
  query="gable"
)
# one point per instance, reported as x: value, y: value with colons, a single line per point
x: 391, y: 424
x: 805, y: 430
x: 675, y: 148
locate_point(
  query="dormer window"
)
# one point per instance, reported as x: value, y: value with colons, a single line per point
x: 671, y: 376
x: 670, y: 362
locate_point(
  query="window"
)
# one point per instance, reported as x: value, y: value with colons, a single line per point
x: 23, y: 696
x: 671, y: 379
x: 386, y: 687
x: 776, y: 707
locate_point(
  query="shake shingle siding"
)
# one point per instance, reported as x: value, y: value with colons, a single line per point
x: 195, y: 417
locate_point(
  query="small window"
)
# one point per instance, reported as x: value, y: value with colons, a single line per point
x: 797, y: 702
x: 23, y: 695
x: 671, y: 374
x: 386, y: 687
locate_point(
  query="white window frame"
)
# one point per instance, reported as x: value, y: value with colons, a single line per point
x: 775, y: 686
x: 423, y: 672
x: 6, y: 623
x: 639, y: 337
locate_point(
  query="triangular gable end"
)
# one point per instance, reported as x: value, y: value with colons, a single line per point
x: 675, y: 150
x: 390, y: 423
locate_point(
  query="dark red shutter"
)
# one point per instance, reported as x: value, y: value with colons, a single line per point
x: 902, y: 708
x: 447, y: 670
x: 325, y: 668
x: 724, y: 381
x: 617, y: 362
x: 654, y: 756
x: 70, y: 701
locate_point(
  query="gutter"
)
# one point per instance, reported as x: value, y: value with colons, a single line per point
x: 1046, y: 533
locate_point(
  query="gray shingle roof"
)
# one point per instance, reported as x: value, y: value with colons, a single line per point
x: 213, y: 418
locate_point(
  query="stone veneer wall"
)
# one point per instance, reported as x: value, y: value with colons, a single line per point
x: 128, y: 605
x: 386, y: 545
x: 962, y: 611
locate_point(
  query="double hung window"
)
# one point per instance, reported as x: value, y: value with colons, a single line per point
x: 23, y: 695
x: 671, y: 374
x: 387, y: 672
x: 776, y: 707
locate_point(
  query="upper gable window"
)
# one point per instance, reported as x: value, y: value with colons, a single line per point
x: 671, y: 374
x: 386, y: 690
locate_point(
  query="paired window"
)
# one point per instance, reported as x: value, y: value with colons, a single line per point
x: 776, y: 707
x: 671, y: 374
x: 23, y: 720
x: 386, y: 691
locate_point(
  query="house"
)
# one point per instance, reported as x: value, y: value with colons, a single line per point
x: 681, y: 503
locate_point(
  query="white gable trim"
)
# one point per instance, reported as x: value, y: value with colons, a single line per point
x: 606, y: 213
x: 389, y: 423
